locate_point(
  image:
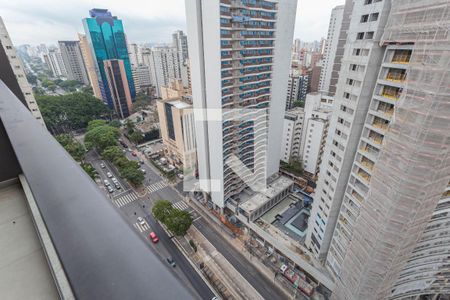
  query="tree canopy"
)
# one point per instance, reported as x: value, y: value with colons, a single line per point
x: 132, y: 174
x: 95, y: 123
x: 112, y: 153
x: 176, y: 220
x: 69, y: 112
x: 73, y: 147
x: 141, y: 101
x: 101, y: 137
x: 136, y: 137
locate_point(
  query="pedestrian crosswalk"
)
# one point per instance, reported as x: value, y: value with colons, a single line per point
x: 157, y: 186
x: 124, y: 200
x: 141, y: 227
x: 181, y: 205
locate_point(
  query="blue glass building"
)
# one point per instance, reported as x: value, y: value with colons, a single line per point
x: 107, y: 40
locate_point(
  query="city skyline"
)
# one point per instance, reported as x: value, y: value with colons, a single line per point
x: 152, y: 24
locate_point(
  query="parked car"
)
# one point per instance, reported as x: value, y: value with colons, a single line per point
x: 133, y: 153
x: 154, y: 237
x: 171, y: 262
x: 117, y: 185
x: 109, y: 174
x: 102, y: 165
x: 110, y: 189
x: 143, y: 171
x: 114, y: 179
x: 106, y: 182
x: 129, y: 150
x: 141, y: 161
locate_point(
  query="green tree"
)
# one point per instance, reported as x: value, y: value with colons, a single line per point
x: 161, y: 210
x: 112, y: 153
x: 141, y: 101
x: 121, y: 161
x: 101, y: 137
x: 178, y: 221
x: 136, y: 137
x: 132, y: 174
x: 129, y: 125
x: 73, y: 147
x: 299, y: 103
x: 32, y: 79
x: 95, y: 123
x: 69, y: 112
x: 69, y: 84
x: 115, y: 123
x: 90, y: 170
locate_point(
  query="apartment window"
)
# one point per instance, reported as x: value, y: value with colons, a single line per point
x: 360, y: 36
x: 340, y: 120
x: 357, y: 52
x: 369, y: 35
x: 364, y: 18
x: 8, y: 47
x: 374, y: 17
x: 343, y: 108
x: 353, y: 67
x: 366, y: 2
x: 350, y: 81
x: 346, y: 95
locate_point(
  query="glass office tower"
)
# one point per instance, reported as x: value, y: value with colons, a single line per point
x: 106, y: 39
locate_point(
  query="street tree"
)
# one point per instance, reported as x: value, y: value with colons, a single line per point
x: 161, y: 210
x: 136, y: 137
x: 115, y: 123
x: 95, y: 123
x: 112, y: 153
x: 101, y: 137
x: 73, y: 147
x: 133, y: 175
x: 178, y: 221
x: 90, y: 170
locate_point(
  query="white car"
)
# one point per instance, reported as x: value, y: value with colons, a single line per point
x: 109, y: 174
x: 102, y: 165
x: 141, y: 220
x: 106, y: 182
x: 143, y: 171
x: 114, y: 179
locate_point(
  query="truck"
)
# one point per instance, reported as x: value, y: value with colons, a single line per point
x: 297, y: 279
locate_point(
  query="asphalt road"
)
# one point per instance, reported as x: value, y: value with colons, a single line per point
x: 139, y: 207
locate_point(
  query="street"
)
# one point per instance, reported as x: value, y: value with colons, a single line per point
x: 133, y: 205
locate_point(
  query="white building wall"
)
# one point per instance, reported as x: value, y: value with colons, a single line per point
x: 334, y: 29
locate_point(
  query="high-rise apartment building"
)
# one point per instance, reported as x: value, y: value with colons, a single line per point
x: 292, y: 134
x: 91, y: 65
x: 106, y: 38
x: 117, y: 80
x: 392, y: 220
x: 73, y: 61
x: 334, y: 29
x: 165, y: 63
x: 133, y: 53
x: 13, y: 74
x: 379, y: 221
x: 55, y: 63
x: 180, y: 42
x: 232, y: 48
x: 143, y: 78
x: 357, y: 79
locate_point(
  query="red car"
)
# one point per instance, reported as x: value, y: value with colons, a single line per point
x: 134, y: 153
x: 153, y: 237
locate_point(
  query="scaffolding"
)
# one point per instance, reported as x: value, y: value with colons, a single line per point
x: 412, y: 170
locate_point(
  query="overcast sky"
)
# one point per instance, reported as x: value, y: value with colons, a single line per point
x: 47, y: 21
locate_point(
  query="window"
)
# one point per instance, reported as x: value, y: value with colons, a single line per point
x: 364, y: 18
x: 360, y: 36
x: 369, y: 35
x: 366, y: 2
x: 350, y: 81
x: 353, y: 67
x: 8, y: 47
x: 357, y: 52
x: 374, y: 17
x: 346, y: 95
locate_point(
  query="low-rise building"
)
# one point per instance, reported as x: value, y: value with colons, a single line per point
x: 174, y: 90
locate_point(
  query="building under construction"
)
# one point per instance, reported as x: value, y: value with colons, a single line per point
x: 392, y: 238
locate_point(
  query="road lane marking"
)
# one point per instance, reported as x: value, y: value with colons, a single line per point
x: 180, y: 205
x: 157, y: 186
x: 141, y: 228
x: 124, y: 200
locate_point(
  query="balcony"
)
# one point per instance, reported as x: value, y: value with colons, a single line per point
x: 390, y: 92
x: 376, y: 137
x: 396, y: 76
x: 364, y: 175
x: 380, y: 124
x: 99, y: 253
x: 401, y: 56
x: 367, y: 163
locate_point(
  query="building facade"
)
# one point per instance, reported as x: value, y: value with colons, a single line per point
x: 179, y: 42
x: 106, y: 38
x: 73, y: 61
x: 334, y: 29
x: 55, y: 63
x: 176, y: 119
x: 174, y: 90
x: 90, y: 64
x: 232, y: 48
x: 292, y: 134
x: 13, y: 74
x: 117, y: 80
x: 390, y: 240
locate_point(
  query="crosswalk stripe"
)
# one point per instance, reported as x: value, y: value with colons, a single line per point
x: 140, y: 227
x: 180, y: 205
x: 156, y: 186
x: 124, y: 200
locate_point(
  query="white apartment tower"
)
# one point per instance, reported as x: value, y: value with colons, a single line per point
x: 357, y: 78
x: 240, y: 56
x: 179, y: 42
x: 55, y: 63
x: 18, y: 70
x: 292, y: 134
x: 73, y: 61
x: 392, y: 238
x: 334, y: 29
